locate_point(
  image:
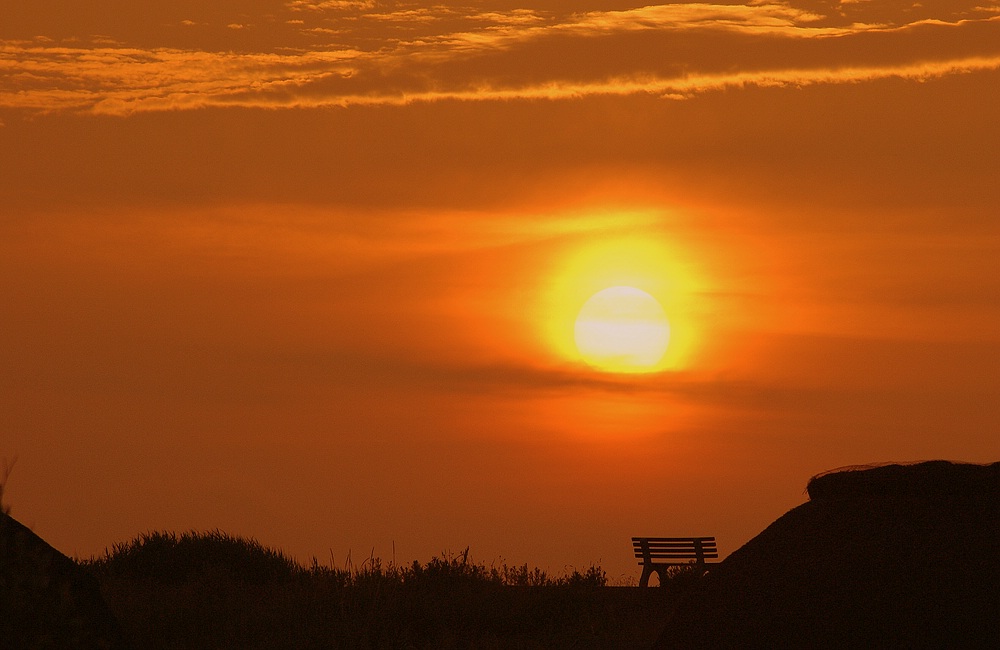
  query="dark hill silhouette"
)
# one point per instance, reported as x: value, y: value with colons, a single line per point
x: 895, y: 556
x: 166, y: 558
x: 46, y: 599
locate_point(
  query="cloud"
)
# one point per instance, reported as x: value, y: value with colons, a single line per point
x: 122, y: 80
x: 753, y: 17
x: 432, y: 54
x: 313, y: 5
x: 176, y: 80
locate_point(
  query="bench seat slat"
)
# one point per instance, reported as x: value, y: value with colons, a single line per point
x: 688, y: 553
x: 678, y: 553
x: 673, y: 542
x: 672, y: 549
x: 673, y: 539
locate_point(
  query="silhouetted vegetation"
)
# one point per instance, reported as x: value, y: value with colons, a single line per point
x: 168, y: 558
x: 198, y: 590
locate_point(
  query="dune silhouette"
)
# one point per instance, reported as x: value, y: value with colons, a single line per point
x: 893, y: 556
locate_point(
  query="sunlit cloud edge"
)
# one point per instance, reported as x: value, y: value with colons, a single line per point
x: 288, y: 93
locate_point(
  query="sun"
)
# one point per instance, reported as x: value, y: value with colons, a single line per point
x: 622, y: 329
x: 614, y: 303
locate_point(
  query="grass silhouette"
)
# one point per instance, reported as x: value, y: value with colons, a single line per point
x: 214, y: 590
x: 168, y: 558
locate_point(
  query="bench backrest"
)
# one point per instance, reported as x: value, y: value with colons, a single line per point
x: 652, y: 549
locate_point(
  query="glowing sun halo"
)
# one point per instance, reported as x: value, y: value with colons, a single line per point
x: 622, y: 329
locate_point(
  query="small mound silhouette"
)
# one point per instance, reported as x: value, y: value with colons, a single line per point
x: 168, y: 558
x: 46, y: 599
x: 892, y: 556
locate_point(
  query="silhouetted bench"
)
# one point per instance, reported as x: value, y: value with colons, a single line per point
x: 658, y: 553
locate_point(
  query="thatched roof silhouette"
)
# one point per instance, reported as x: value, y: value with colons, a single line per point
x: 46, y: 599
x: 894, y: 556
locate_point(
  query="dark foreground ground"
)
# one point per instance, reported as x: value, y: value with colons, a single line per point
x: 190, y: 616
x: 204, y: 592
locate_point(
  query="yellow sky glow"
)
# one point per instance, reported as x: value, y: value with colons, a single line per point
x: 654, y: 266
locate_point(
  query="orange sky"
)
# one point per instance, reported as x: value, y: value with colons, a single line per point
x: 298, y: 269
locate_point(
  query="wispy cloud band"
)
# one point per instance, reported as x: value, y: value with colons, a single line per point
x: 656, y: 50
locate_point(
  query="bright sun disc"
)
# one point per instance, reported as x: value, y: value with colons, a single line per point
x: 622, y: 329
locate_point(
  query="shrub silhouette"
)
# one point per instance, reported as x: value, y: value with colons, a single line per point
x: 168, y: 558
x: 594, y: 576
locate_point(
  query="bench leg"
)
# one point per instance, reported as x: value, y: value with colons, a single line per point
x: 646, y: 572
